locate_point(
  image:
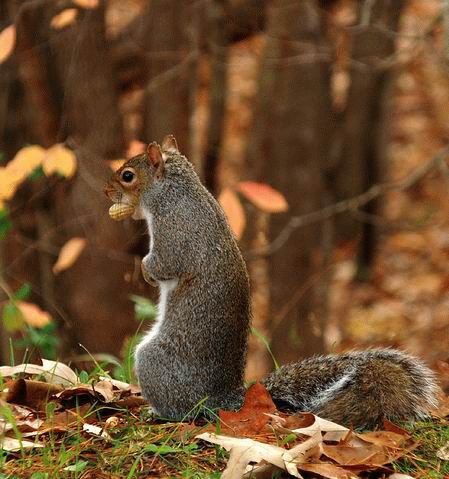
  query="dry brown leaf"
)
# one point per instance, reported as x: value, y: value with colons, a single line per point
x: 69, y: 254
x: 7, y: 42
x: 234, y: 211
x: 31, y: 393
x: 33, y: 315
x: 64, y: 19
x: 329, y: 471
x: 263, y: 196
x: 86, y: 3
x: 61, y: 160
x: 253, y: 416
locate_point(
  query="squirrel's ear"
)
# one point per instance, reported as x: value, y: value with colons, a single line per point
x: 169, y: 144
x: 154, y: 154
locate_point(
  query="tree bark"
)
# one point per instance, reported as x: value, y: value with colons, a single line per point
x: 170, y: 65
x: 366, y: 117
x: 70, y: 82
x: 288, y: 148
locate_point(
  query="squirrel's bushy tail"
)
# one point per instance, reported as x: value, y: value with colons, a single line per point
x: 359, y: 388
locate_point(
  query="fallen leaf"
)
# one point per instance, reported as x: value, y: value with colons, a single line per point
x: 61, y: 160
x: 54, y: 372
x: 329, y: 471
x: 33, y: 315
x: 86, y: 3
x: 7, y: 42
x: 11, y: 444
x: 443, y: 452
x: 234, y: 211
x: 60, y: 371
x: 132, y: 388
x: 64, y: 19
x: 396, y: 475
x: 263, y: 196
x: 69, y: 254
x: 31, y: 393
x: 95, y: 431
x: 331, y: 430
x: 245, y: 451
x: 251, y: 418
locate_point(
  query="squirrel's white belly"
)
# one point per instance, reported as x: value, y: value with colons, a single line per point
x: 165, y: 288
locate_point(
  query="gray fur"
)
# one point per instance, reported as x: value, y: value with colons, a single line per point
x: 199, y: 351
x: 358, y: 388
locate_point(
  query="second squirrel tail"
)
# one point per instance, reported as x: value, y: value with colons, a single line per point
x: 358, y: 389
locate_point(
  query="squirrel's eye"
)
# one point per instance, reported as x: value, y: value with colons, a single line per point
x: 127, y: 176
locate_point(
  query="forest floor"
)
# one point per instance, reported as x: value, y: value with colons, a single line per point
x: 97, y: 427
x: 140, y: 447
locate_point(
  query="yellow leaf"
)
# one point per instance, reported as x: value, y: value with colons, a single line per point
x: 25, y: 162
x: 33, y: 315
x: 86, y: 3
x: 263, y: 196
x: 8, y: 185
x: 69, y: 254
x: 116, y: 164
x: 59, y: 159
x: 64, y: 19
x: 7, y: 42
x: 234, y: 211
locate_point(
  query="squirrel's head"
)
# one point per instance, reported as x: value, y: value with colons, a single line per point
x: 138, y: 174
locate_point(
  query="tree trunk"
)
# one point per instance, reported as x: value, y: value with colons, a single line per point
x: 366, y: 117
x: 288, y: 148
x: 69, y: 83
x: 171, y: 59
x: 218, y: 54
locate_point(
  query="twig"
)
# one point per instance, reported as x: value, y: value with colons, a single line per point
x: 351, y: 204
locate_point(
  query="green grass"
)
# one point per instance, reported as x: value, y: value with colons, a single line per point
x: 138, y: 447
x: 423, y: 462
x: 142, y: 447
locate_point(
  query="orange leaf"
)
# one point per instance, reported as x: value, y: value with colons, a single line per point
x: 135, y: 148
x: 263, y: 196
x: 64, y: 19
x: 86, y: 3
x: 7, y: 42
x: 69, y: 254
x: 251, y: 418
x: 33, y: 315
x: 234, y: 211
x: 59, y: 159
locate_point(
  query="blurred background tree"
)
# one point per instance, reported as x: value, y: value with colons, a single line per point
x: 322, y: 100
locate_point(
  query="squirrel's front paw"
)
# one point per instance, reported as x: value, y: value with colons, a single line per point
x: 146, y: 275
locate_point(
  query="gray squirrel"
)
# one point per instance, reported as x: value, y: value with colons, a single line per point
x: 195, y: 352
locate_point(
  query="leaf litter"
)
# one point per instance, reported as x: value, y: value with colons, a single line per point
x: 45, y: 400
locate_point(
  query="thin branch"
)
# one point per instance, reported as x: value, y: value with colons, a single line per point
x: 352, y: 204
